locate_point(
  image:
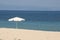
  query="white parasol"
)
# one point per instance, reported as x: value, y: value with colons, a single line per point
x: 16, y: 19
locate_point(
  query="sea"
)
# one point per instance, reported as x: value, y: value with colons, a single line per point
x: 34, y: 20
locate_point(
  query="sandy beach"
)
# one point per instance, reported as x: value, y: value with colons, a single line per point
x: 23, y: 34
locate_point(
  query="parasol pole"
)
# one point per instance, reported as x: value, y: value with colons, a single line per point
x: 16, y: 24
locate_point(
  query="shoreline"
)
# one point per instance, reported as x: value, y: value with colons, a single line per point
x: 30, y: 29
x: 23, y: 34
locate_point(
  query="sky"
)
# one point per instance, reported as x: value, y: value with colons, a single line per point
x: 40, y: 5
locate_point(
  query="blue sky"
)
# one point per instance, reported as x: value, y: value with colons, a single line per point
x: 41, y: 5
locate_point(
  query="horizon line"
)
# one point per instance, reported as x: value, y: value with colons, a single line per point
x: 24, y: 10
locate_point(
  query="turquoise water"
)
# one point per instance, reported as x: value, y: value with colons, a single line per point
x: 47, y: 26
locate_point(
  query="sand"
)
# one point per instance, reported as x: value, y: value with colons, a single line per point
x: 23, y: 34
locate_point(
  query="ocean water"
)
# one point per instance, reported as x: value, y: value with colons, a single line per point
x: 35, y: 20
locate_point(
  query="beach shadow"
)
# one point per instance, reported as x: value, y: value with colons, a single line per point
x: 0, y: 39
x: 17, y: 39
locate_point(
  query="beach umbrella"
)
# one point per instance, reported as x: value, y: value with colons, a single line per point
x: 16, y: 19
